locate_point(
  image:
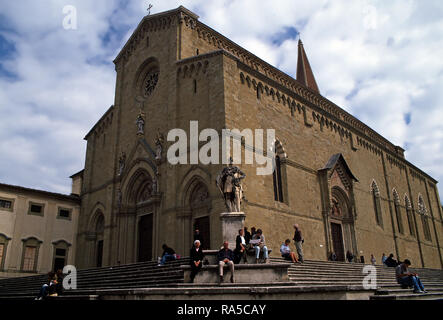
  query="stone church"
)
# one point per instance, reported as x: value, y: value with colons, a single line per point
x: 347, y: 187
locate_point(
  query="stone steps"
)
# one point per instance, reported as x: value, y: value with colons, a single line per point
x: 437, y: 295
x: 325, y: 278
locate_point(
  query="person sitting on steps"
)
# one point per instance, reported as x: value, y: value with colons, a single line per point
x: 168, y: 255
x: 408, y: 279
x: 390, y: 261
x: 196, y: 256
x: 48, y: 288
x: 286, y: 252
x: 260, y: 246
x: 226, y: 256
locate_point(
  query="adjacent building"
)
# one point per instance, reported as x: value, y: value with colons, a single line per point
x: 37, y: 230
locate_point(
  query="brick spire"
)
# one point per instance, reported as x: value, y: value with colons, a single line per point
x: 304, y: 71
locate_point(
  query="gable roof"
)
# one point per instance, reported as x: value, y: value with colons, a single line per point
x: 334, y: 160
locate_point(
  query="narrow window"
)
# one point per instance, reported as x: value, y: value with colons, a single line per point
x: 2, y: 250
x: 3, y: 246
x: 424, y: 218
x: 397, y: 209
x: 277, y: 180
x: 147, y: 42
x: 426, y: 230
x: 377, y: 205
x: 399, y: 221
x: 195, y: 86
x: 409, y: 216
x: 196, y: 52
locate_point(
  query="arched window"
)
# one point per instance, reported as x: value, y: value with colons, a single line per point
x: 397, y: 209
x: 3, y: 246
x: 424, y: 218
x: 409, y: 215
x: 377, y: 205
x: 277, y: 173
x: 30, y: 251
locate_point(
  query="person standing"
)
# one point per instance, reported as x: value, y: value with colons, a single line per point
x: 240, y: 247
x: 226, y: 256
x: 196, y: 255
x: 298, y: 239
x: 247, y: 235
x: 373, y: 261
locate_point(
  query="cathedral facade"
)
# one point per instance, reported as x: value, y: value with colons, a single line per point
x: 347, y: 187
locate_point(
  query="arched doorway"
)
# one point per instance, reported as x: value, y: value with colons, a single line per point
x: 342, y: 223
x: 199, y: 203
x: 140, y: 194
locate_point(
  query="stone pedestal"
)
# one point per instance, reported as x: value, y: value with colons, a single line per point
x: 231, y: 223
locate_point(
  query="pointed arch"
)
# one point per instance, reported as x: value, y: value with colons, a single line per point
x: 138, y: 188
x: 194, y: 194
x: 375, y: 191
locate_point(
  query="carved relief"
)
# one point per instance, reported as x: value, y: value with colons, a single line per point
x: 199, y: 196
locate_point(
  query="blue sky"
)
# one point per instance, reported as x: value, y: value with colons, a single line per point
x: 379, y: 60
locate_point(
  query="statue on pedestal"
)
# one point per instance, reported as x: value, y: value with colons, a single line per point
x: 229, y: 184
x: 121, y: 163
x: 140, y: 122
x: 159, y: 140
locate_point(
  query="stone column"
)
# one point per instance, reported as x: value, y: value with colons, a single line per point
x: 231, y: 222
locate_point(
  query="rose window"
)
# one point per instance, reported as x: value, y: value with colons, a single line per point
x: 150, y: 83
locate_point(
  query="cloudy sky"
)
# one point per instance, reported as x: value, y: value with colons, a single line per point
x: 379, y: 60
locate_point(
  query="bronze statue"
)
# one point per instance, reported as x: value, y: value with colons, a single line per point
x: 229, y: 184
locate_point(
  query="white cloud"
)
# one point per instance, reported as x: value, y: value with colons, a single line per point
x: 377, y: 59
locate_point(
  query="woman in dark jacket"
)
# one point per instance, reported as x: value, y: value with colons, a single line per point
x: 196, y: 255
x: 59, y: 285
